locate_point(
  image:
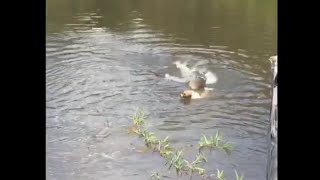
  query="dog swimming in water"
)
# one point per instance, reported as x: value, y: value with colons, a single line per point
x: 197, y: 88
x: 196, y: 79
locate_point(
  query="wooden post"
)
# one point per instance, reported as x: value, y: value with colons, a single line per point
x: 272, y: 166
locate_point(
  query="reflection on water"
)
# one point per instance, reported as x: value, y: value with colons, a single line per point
x: 105, y: 59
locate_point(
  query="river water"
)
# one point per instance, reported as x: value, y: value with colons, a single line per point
x: 105, y: 59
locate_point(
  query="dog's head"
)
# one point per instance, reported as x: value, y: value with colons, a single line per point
x: 186, y: 94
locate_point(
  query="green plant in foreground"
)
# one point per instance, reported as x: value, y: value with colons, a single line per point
x: 220, y: 175
x: 215, y: 142
x: 155, y: 176
x: 139, y: 118
x: 178, y: 162
x: 194, y: 166
x: 176, y: 159
x: 149, y: 138
x: 164, y: 148
x: 182, y: 165
x: 227, y: 147
x: 199, y: 158
x: 204, y: 142
x: 211, y: 142
x: 237, y: 176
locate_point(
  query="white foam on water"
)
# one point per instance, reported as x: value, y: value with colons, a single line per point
x: 187, y: 73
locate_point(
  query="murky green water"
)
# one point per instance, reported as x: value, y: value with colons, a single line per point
x: 102, y: 57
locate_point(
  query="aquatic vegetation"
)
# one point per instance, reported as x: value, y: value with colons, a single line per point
x: 227, y: 147
x: 215, y: 142
x: 194, y: 166
x: 139, y: 118
x: 237, y: 176
x: 204, y: 142
x: 164, y: 148
x: 178, y: 162
x: 210, y: 142
x: 175, y: 158
x: 182, y: 165
x: 149, y: 138
x: 220, y: 175
x: 155, y: 176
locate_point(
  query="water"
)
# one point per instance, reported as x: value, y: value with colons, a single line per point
x: 106, y: 59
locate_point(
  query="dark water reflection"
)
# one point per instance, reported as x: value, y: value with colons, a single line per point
x: 102, y: 57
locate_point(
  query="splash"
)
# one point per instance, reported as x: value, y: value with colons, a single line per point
x: 188, y: 73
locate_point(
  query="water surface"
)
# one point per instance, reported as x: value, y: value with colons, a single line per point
x: 103, y: 62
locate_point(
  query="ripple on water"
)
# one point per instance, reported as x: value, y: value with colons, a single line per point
x: 94, y: 77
